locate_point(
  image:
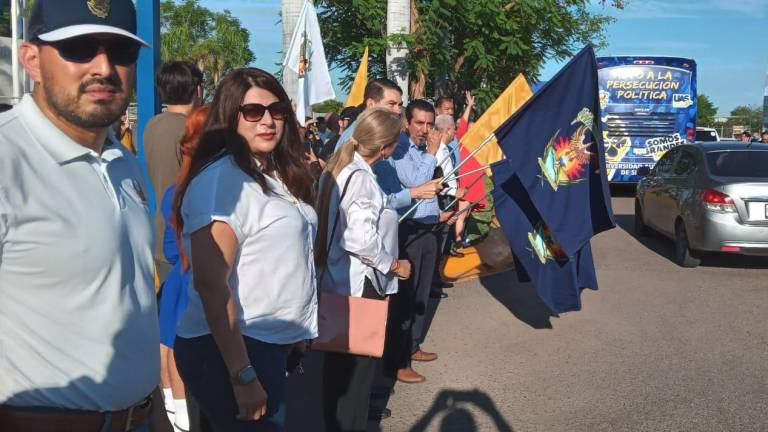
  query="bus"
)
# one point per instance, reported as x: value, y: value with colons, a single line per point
x: 648, y: 106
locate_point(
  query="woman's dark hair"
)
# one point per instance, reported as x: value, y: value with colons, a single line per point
x: 221, y: 139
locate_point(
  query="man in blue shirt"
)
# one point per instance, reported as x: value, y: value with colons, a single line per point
x: 413, y: 163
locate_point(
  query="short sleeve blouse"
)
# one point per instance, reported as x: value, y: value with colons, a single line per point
x: 273, y: 279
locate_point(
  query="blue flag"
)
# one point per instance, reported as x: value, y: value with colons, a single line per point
x: 553, y: 145
x: 559, y: 278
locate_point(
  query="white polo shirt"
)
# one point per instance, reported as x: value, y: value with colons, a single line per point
x: 273, y: 279
x: 78, y: 321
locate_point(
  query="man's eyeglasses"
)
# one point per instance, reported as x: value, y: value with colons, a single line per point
x: 254, y: 112
x: 120, y: 51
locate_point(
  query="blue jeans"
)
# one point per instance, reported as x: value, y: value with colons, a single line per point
x: 204, y: 372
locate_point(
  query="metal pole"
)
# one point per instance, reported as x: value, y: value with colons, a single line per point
x: 15, y: 50
x: 147, y: 100
x: 488, y: 139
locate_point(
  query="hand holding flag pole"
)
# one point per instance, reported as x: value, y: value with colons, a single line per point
x: 453, y: 171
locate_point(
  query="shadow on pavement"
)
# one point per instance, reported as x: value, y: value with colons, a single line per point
x: 519, y: 298
x: 454, y: 407
x: 666, y: 248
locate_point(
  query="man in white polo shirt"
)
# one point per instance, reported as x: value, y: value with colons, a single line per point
x: 78, y: 322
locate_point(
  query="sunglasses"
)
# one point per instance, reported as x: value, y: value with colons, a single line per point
x: 120, y: 51
x: 254, y: 112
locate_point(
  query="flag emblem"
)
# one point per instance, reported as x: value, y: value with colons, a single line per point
x: 100, y: 8
x: 544, y: 246
x: 305, y: 54
x: 566, y: 159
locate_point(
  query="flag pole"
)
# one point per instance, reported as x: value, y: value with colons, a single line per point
x: 483, y: 168
x: 455, y: 200
x: 485, y: 142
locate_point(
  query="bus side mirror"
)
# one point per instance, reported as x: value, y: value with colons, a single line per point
x: 643, y: 171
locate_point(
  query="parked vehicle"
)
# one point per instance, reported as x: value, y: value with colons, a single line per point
x: 707, y: 197
x: 705, y: 134
x: 648, y: 106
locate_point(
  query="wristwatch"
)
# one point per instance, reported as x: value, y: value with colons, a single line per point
x: 245, y: 376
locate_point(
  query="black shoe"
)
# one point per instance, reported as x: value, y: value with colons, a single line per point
x: 378, y: 414
x: 437, y: 295
x: 455, y: 253
x: 441, y: 284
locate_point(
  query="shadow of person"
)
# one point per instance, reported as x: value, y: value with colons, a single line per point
x: 458, y: 420
x: 453, y: 404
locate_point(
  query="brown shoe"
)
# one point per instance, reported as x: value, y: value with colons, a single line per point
x: 423, y: 356
x: 409, y: 376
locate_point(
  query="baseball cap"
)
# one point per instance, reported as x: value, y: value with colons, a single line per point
x: 56, y: 20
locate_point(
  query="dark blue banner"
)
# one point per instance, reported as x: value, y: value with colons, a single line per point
x: 553, y: 145
x: 559, y: 278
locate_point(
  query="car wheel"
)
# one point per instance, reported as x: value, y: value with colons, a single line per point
x: 684, y: 256
x: 641, y: 229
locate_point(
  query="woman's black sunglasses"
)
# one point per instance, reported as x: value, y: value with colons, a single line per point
x: 120, y: 51
x: 254, y: 112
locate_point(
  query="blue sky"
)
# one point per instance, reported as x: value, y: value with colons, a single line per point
x: 725, y: 37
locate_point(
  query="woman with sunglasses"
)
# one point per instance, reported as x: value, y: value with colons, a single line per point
x: 245, y: 221
x: 356, y: 252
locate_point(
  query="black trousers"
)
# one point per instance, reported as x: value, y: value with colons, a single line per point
x: 407, y: 308
x: 347, y: 381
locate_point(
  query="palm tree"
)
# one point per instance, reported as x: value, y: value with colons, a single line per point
x: 398, y: 22
x: 290, y: 10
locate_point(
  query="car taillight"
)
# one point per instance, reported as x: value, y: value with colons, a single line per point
x: 691, y: 135
x: 717, y: 201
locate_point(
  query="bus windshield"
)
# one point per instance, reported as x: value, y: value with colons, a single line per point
x: 648, y: 107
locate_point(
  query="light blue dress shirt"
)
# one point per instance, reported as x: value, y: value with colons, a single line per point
x: 409, y: 166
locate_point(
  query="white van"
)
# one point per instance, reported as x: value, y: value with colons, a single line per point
x: 706, y: 134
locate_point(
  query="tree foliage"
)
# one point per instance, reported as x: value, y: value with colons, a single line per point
x: 215, y: 41
x: 706, y: 111
x: 454, y: 45
x: 747, y: 117
x: 328, y: 106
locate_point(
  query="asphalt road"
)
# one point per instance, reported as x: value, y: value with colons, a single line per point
x: 656, y: 348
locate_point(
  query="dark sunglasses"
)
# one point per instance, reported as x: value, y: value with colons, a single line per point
x: 120, y: 51
x: 254, y: 112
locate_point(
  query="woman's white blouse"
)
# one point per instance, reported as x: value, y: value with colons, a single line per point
x: 365, y: 243
x: 273, y: 279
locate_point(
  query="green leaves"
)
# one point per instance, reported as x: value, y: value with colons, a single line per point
x: 479, y: 45
x: 215, y: 41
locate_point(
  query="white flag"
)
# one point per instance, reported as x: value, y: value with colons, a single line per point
x: 306, y: 57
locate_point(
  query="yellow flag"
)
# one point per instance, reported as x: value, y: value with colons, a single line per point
x: 502, y: 108
x: 361, y: 80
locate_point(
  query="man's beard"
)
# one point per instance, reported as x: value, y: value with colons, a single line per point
x: 105, y: 113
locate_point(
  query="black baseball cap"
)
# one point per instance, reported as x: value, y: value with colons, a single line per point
x: 56, y: 20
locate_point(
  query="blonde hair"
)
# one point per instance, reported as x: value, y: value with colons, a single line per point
x: 375, y: 129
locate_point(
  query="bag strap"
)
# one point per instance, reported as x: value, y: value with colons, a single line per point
x: 335, y: 224
x: 336, y: 221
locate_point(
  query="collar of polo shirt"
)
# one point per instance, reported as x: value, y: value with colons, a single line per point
x: 60, y: 146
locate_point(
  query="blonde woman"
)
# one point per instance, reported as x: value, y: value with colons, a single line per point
x: 359, y: 256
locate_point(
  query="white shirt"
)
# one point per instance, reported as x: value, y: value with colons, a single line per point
x: 365, y: 243
x: 444, y: 155
x: 78, y: 320
x: 273, y: 278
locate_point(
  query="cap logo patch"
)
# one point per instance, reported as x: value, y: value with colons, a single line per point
x: 100, y: 8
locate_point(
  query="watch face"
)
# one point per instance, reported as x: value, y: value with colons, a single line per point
x: 247, y: 375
